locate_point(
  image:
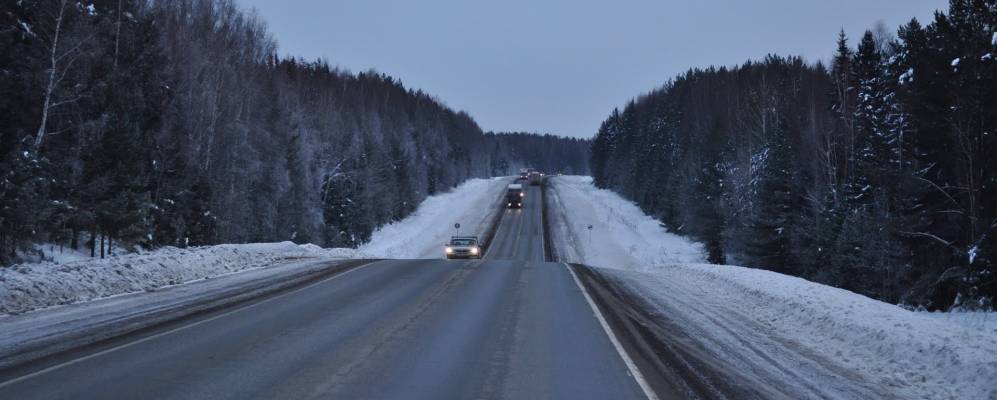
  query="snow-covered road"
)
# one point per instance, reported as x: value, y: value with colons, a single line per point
x: 785, y: 336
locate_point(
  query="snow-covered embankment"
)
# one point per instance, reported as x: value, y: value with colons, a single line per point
x: 797, y: 338
x: 28, y: 287
x: 421, y: 235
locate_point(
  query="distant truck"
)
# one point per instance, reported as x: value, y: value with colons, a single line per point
x: 462, y: 247
x: 514, y: 196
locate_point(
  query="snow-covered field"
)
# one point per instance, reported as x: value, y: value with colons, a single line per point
x: 422, y: 234
x: 803, y: 339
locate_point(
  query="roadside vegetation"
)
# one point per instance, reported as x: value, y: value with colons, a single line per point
x: 876, y: 173
x: 177, y: 123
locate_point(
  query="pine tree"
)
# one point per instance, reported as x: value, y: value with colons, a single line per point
x: 769, y: 244
x: 602, y: 147
x: 707, y: 192
x: 293, y: 206
x: 401, y: 183
x: 23, y: 201
x: 842, y: 142
x: 200, y: 223
x: 344, y: 210
x: 122, y: 207
x: 872, y: 152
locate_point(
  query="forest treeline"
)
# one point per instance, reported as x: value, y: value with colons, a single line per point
x: 176, y: 123
x: 877, y: 173
x: 547, y: 153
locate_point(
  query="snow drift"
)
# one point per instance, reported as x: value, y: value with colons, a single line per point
x: 28, y: 287
x: 805, y: 339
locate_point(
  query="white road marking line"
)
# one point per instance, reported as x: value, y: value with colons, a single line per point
x: 174, y: 330
x: 616, y: 343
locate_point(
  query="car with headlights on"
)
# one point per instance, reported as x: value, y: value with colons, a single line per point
x: 463, y: 247
x: 514, y: 196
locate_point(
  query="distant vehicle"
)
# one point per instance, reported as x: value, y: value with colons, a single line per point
x: 536, y: 177
x: 463, y: 247
x: 524, y: 173
x: 514, y: 196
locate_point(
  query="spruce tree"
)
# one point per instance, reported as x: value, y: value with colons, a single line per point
x: 872, y: 152
x: 843, y: 105
x: 769, y: 242
x: 401, y: 182
x: 705, y: 201
x: 23, y: 201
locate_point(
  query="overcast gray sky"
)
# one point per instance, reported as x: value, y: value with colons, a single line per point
x: 560, y: 66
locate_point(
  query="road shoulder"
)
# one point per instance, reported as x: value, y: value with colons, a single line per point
x: 39, y: 339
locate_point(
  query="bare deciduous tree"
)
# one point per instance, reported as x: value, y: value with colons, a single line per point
x: 64, y: 46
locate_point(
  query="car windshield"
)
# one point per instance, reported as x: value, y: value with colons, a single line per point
x: 462, y: 242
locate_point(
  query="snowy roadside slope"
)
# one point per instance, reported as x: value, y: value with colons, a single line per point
x: 422, y: 234
x: 795, y: 337
x: 816, y: 338
x: 28, y: 287
x: 622, y: 236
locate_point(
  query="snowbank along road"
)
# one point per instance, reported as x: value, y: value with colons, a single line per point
x: 508, y: 326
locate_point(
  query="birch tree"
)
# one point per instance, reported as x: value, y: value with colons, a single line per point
x: 63, y: 48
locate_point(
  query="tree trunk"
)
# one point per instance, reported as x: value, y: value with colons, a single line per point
x: 102, y: 246
x: 74, y: 243
x: 117, y: 36
x: 52, y: 80
x: 93, y: 244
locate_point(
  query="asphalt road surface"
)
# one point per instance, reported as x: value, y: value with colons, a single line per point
x: 509, y: 326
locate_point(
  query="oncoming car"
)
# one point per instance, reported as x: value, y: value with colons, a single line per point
x: 462, y: 247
